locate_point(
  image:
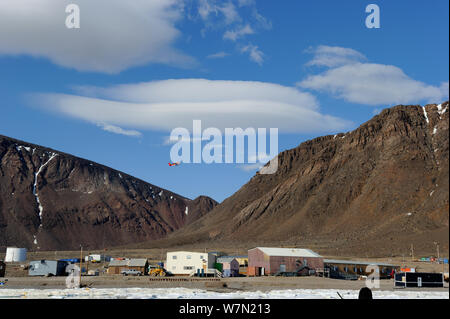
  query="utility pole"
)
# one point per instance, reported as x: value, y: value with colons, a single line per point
x: 81, y: 261
x: 438, y: 251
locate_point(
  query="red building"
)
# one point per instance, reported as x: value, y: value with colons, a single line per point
x: 270, y: 261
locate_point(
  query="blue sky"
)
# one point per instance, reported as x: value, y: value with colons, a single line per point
x: 310, y: 68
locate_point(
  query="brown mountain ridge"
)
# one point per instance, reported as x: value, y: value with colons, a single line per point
x: 372, y: 191
x: 52, y: 200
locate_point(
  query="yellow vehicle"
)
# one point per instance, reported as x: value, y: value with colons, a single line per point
x: 156, y: 271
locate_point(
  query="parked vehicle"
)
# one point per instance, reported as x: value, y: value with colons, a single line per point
x: 157, y: 270
x: 131, y: 272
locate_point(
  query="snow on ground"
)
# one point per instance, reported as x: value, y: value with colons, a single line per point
x: 185, y: 293
x: 425, y: 114
x: 35, y: 191
x: 19, y: 148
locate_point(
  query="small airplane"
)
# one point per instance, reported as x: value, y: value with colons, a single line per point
x: 174, y: 164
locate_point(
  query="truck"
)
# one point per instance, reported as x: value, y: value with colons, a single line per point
x: 131, y: 272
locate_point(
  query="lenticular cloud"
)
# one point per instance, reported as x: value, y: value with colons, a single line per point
x: 103, y: 42
x: 165, y: 105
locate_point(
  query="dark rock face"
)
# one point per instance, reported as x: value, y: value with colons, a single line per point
x: 380, y: 187
x: 51, y: 200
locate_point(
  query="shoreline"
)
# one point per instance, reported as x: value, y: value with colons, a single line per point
x: 237, y: 284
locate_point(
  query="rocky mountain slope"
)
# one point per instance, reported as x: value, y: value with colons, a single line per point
x: 375, y: 191
x: 51, y: 200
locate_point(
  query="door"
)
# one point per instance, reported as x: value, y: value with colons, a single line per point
x: 419, y: 281
x: 282, y: 268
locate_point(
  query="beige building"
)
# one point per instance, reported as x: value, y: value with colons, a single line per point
x: 188, y: 263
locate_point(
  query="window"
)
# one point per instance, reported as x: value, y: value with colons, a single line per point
x: 188, y: 257
x: 174, y: 267
x: 201, y: 257
x: 174, y: 257
x: 305, y: 262
x: 188, y: 267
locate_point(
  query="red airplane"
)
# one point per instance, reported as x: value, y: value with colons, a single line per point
x: 174, y: 164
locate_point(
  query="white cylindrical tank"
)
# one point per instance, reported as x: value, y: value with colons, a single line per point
x: 14, y: 254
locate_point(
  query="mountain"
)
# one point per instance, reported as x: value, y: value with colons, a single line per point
x: 52, y: 200
x: 372, y: 191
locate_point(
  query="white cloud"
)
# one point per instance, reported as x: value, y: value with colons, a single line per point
x: 218, y: 55
x: 251, y: 167
x: 118, y: 130
x: 240, y: 32
x: 367, y: 83
x: 211, y: 10
x: 255, y: 54
x: 334, y: 56
x: 244, y: 3
x: 230, y: 13
x: 239, y: 21
x: 220, y: 104
x: 260, y: 157
x: 114, y: 35
x: 191, y: 139
x: 261, y: 20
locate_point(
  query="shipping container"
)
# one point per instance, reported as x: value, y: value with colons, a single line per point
x: 419, y: 279
x: 2, y: 269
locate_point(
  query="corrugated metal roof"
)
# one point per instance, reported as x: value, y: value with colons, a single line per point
x: 353, y: 262
x: 138, y: 262
x: 225, y: 259
x: 288, y: 252
x: 239, y: 256
x: 118, y: 263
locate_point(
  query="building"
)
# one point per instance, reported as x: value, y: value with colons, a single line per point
x: 115, y: 267
x: 47, y: 268
x: 271, y: 261
x: 71, y: 260
x: 243, y: 263
x: 189, y: 263
x: 14, y: 254
x: 2, y: 269
x: 97, y: 258
x: 350, y: 269
x: 419, y: 279
x: 242, y: 260
x: 229, y: 266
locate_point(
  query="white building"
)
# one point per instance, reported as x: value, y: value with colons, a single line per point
x: 14, y: 254
x: 187, y: 263
x: 97, y: 258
